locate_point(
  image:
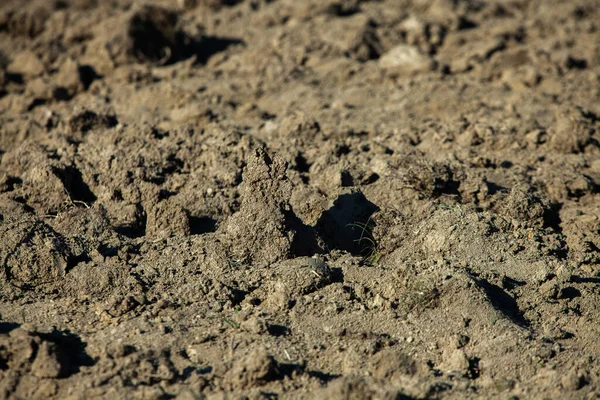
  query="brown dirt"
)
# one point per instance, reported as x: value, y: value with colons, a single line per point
x: 300, y: 199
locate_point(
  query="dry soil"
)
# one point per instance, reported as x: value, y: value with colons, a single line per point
x: 338, y: 199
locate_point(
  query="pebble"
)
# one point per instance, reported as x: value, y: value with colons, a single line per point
x: 405, y: 59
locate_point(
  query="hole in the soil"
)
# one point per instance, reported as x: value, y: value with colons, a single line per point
x: 61, y: 4
x: 61, y: 94
x: 73, y: 261
x: 341, y: 150
x: 324, y: 377
x: 347, y: 179
x: 130, y: 232
x: 465, y: 23
x: 87, y: 75
x: 204, y: 48
x: 173, y: 164
x: 164, y: 194
x: 584, y: 279
x: 302, y: 164
x: 117, y: 195
x: 278, y: 330
x: 137, y: 228
x: 255, y: 301
x: 237, y: 295
x: 576, y: 63
x: 473, y: 370
x: 372, y: 178
x: 108, y: 251
x: 201, y: 225
x: 551, y: 217
x: 150, y: 31
x: 510, y: 283
x: 494, y: 188
x: 347, y: 224
x: 11, y: 182
x: 188, y: 371
x: 158, y: 133
x: 88, y: 120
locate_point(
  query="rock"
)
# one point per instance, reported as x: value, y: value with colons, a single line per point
x: 405, y: 59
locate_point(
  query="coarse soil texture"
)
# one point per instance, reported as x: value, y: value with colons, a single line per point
x: 304, y: 199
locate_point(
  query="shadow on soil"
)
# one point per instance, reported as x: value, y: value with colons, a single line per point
x: 503, y: 302
x: 343, y: 226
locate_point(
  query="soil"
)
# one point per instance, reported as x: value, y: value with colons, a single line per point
x: 340, y: 199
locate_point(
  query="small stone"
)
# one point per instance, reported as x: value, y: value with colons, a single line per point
x: 405, y: 59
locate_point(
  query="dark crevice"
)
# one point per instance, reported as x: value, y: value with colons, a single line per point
x: 569, y: 293
x: 345, y: 225
x: 135, y: 229
x: 77, y: 189
x: 74, y: 260
x: 551, y: 217
x: 202, y: 225
x: 36, y: 103
x: 302, y: 164
x: 305, y: 241
x: 473, y: 371
x: 87, y: 75
x: 278, y: 330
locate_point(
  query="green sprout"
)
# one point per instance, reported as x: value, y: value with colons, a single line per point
x: 235, y: 323
x: 367, y: 242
